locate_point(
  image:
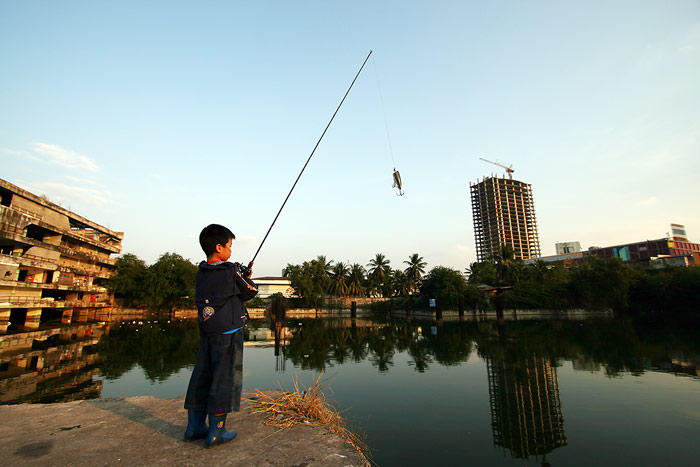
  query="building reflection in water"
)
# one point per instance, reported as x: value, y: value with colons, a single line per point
x: 526, y: 414
x: 50, y: 365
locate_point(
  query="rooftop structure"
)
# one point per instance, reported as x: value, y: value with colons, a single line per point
x: 54, y: 263
x: 563, y: 248
x: 504, y: 214
x: 270, y: 285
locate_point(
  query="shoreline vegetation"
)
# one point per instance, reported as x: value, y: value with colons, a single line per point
x: 305, y: 406
x: 499, y: 283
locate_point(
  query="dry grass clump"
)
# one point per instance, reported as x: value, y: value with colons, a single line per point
x: 304, y: 406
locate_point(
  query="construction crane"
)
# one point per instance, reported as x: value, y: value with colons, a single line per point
x: 509, y: 169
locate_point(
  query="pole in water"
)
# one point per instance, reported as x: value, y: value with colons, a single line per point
x: 311, y: 155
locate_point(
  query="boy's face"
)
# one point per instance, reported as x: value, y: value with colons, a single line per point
x: 223, y: 252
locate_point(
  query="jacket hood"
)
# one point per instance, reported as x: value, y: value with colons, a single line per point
x: 221, y: 265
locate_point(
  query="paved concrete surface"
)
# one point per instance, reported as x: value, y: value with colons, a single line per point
x: 148, y: 431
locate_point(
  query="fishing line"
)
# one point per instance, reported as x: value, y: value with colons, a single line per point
x: 311, y: 155
x: 386, y: 121
x: 395, y: 175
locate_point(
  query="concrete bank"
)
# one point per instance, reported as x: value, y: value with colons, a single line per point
x: 148, y: 431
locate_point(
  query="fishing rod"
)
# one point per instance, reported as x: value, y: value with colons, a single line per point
x: 310, y: 156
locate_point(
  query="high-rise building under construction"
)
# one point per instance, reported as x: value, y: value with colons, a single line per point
x: 504, y: 214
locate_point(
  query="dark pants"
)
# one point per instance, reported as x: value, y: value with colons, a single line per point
x: 217, y: 379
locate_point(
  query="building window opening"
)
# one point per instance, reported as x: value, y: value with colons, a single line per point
x: 34, y: 362
x: 51, y: 315
x: 55, y: 294
x: 18, y: 315
x: 36, y: 233
x: 5, y: 197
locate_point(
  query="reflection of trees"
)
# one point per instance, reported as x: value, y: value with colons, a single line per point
x: 420, y: 354
x: 617, y: 345
x: 341, y: 345
x: 381, y: 345
x: 311, y: 344
x: 316, y: 343
x: 160, y: 349
x: 451, y: 345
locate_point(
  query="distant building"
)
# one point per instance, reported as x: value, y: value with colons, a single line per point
x: 504, y: 214
x: 270, y: 285
x: 653, y: 250
x: 659, y: 253
x: 678, y: 232
x: 54, y: 264
x: 563, y: 248
x: 567, y: 258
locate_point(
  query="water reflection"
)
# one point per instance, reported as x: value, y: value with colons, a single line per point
x: 51, y: 364
x: 526, y: 414
x: 521, y: 359
x: 159, y: 347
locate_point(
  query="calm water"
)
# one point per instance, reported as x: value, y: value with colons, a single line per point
x: 549, y: 392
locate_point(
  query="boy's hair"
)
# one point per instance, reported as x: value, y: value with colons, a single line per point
x: 212, y: 235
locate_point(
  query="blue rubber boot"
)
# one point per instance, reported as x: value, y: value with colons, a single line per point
x: 218, y: 434
x: 196, y: 426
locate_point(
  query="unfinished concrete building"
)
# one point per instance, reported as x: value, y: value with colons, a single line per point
x: 504, y: 214
x: 54, y: 264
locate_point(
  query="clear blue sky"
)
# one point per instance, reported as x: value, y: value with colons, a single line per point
x: 157, y: 118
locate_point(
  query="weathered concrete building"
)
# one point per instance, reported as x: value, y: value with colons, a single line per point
x: 504, y: 214
x: 54, y: 264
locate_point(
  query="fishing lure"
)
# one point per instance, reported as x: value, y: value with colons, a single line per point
x: 397, y: 182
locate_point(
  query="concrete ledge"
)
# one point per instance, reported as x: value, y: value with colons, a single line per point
x: 148, y: 431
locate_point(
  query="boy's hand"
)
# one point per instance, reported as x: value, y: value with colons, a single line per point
x: 249, y: 270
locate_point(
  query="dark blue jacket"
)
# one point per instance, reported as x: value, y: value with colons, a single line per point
x: 221, y: 291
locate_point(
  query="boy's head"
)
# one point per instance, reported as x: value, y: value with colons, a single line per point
x: 213, y: 235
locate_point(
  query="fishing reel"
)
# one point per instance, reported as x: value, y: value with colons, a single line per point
x: 246, y: 271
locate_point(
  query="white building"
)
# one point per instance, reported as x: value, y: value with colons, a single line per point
x: 269, y: 285
x: 564, y: 248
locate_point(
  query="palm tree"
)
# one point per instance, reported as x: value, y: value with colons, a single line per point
x: 507, y: 266
x: 400, y: 283
x: 356, y: 279
x: 289, y: 270
x: 339, y: 285
x: 326, y: 265
x: 415, y: 269
x: 379, y: 273
x: 483, y: 272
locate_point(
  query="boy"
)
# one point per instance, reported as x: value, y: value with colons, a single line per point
x: 221, y: 290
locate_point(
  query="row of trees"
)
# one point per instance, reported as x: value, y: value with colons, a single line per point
x: 593, y: 284
x: 312, y: 280
x: 168, y: 281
